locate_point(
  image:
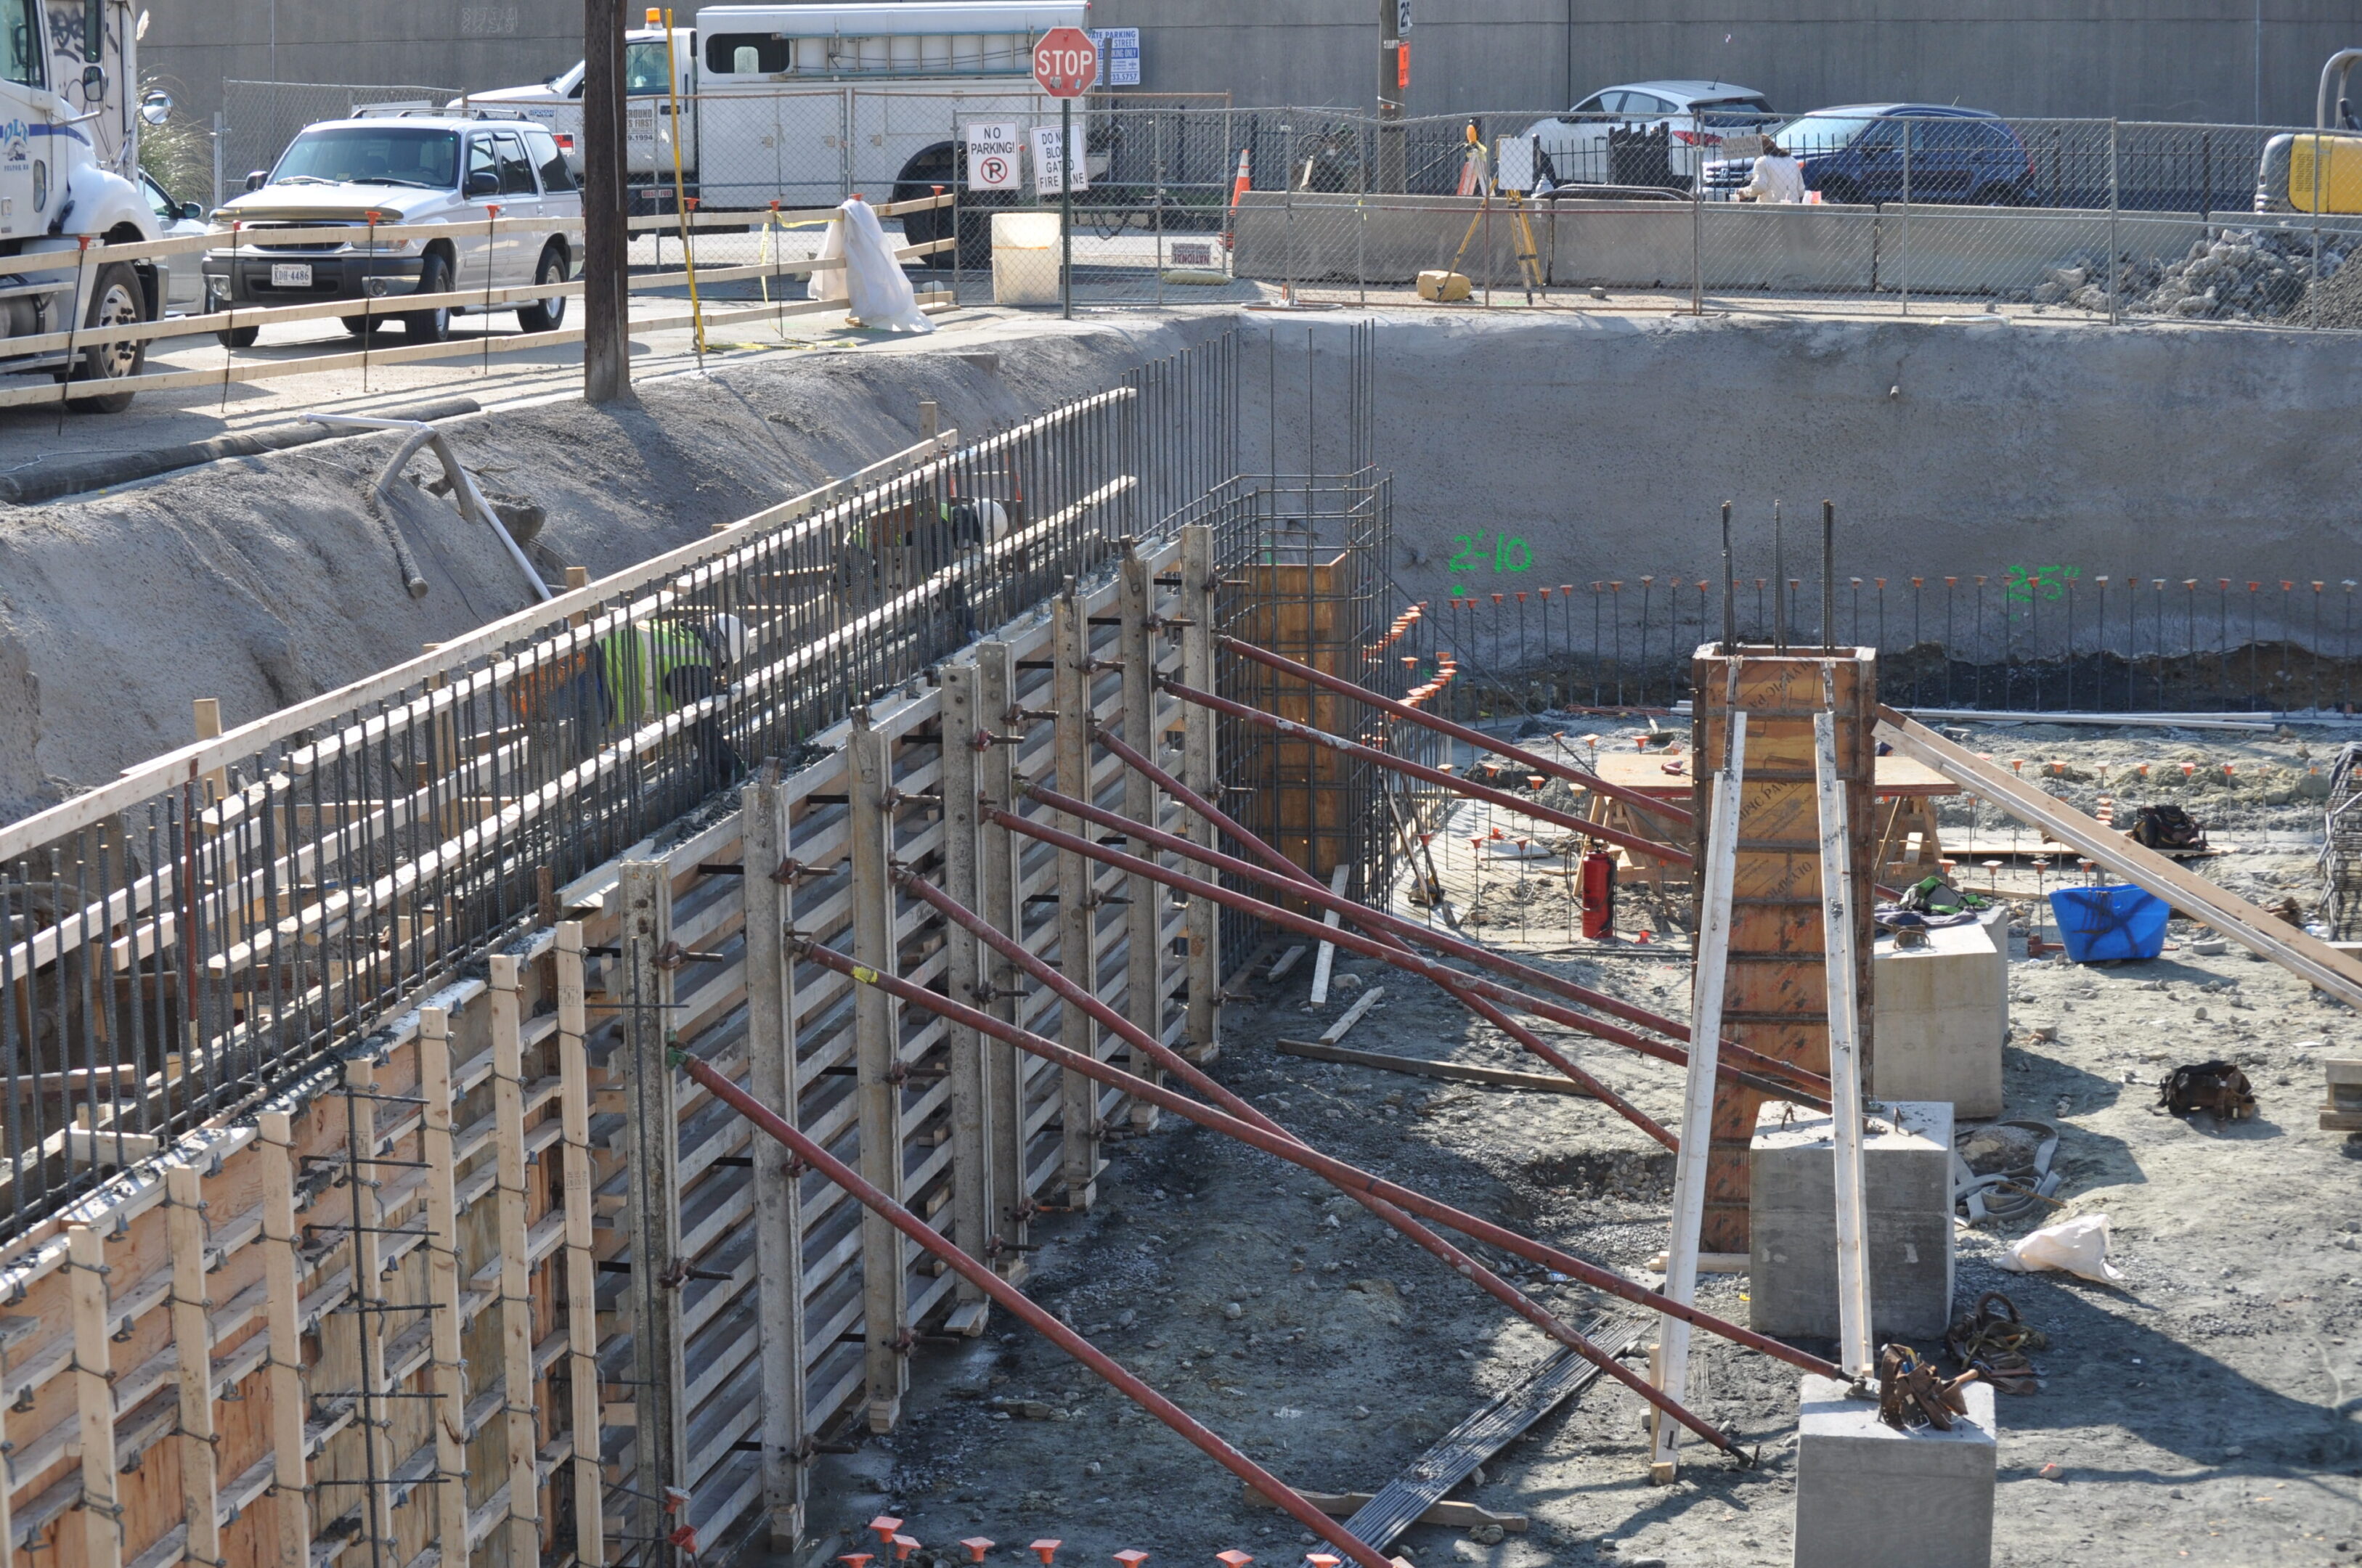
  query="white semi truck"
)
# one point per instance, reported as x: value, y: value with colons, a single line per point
x: 69, y: 163
x: 802, y: 104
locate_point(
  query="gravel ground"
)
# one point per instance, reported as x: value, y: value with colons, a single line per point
x: 2204, y: 1412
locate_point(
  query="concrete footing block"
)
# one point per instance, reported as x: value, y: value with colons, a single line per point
x: 1907, y: 1203
x: 1942, y: 1011
x: 1870, y: 1497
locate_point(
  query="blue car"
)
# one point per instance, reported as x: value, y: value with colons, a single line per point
x: 1856, y: 154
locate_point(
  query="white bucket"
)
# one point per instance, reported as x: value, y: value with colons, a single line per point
x: 1024, y: 259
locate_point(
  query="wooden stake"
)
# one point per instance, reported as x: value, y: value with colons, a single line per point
x: 1077, y: 911
x: 209, y: 727
x: 1351, y: 1015
x: 1145, y: 916
x: 971, y: 1105
x: 1719, y: 869
x: 94, y: 1395
x: 290, y: 1491
x: 581, y: 1260
x: 192, y: 1348
x: 1198, y: 764
x: 997, y: 856
x: 653, y: 1194
x: 445, y: 1329
x: 521, y: 1398
x: 1326, y: 956
x: 367, y: 1249
x: 877, y: 1031
x: 1837, y: 894
x: 778, y: 1200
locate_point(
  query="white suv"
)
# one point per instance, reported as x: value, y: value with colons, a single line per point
x: 1688, y: 118
x: 408, y: 170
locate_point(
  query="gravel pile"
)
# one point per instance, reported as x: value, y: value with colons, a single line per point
x: 2242, y: 275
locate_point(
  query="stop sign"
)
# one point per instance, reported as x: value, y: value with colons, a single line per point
x: 1065, y: 62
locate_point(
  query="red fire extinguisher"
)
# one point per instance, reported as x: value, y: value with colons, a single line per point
x: 1598, y: 894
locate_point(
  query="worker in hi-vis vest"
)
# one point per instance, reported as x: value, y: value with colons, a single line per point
x: 627, y: 678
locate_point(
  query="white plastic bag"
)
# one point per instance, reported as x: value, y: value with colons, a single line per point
x: 871, y: 283
x: 2078, y: 1245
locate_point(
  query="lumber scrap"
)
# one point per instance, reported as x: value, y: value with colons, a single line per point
x: 1461, y: 1072
x: 1403, y: 1501
x: 2302, y: 954
x: 1327, y: 955
x: 1452, y: 1514
x: 1351, y: 1016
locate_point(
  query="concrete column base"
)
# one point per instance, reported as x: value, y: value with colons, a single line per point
x: 1908, y: 1201
x: 1870, y: 1497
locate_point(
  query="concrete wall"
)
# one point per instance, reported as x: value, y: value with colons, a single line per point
x: 2195, y: 61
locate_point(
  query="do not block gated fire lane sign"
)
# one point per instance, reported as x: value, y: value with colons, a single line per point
x: 1050, y: 164
x: 995, y: 155
x: 1065, y: 62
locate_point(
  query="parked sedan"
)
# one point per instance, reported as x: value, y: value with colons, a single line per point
x: 1857, y: 153
x: 1689, y: 119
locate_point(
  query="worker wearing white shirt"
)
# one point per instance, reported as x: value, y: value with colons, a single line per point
x: 1775, y: 177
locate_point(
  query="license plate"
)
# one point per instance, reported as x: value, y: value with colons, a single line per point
x: 286, y: 275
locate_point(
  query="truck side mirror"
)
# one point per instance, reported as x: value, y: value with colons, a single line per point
x: 94, y: 84
x: 259, y: 179
x: 156, y: 107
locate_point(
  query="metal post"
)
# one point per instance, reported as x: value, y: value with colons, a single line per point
x: 1697, y: 240
x: 606, y: 233
x: 878, y: 1030
x: 1906, y: 217
x: 1066, y: 206
x: 2114, y: 205
x: 1205, y: 926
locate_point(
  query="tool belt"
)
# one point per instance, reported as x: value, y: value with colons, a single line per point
x: 1991, y: 1340
x: 1910, y: 1393
x: 2216, y: 1087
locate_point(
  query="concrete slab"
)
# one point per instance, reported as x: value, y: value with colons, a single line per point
x: 1942, y: 1011
x: 1870, y: 1497
x: 1791, y: 1221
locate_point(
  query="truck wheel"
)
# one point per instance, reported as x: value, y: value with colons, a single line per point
x: 430, y: 325
x: 546, y: 315
x: 116, y: 300
x: 240, y: 337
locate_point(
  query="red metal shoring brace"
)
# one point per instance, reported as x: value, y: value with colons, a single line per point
x: 1026, y: 1310
x: 1458, y: 1261
x: 1671, y: 854
x: 1336, y: 1172
x: 1677, y: 815
x: 1383, y: 923
x: 1426, y: 968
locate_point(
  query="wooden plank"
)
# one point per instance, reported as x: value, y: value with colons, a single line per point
x: 1719, y: 866
x: 652, y: 1195
x: 290, y: 1494
x: 768, y: 905
x: 95, y: 1398
x: 1351, y: 1016
x: 1143, y: 945
x: 1198, y: 771
x: 1840, y: 892
x: 1461, y: 1072
x: 1400, y: 1503
x: 997, y: 855
x: 443, y: 1268
x: 1286, y: 961
x: 1452, y: 1516
x: 520, y: 1400
x: 581, y: 1263
x: 2302, y: 954
x: 971, y: 1226
x: 877, y: 1028
x: 366, y: 1218
x: 192, y: 1350
x: 1326, y: 956
x: 1077, y: 906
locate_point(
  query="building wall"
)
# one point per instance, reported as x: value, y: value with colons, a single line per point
x: 2097, y: 58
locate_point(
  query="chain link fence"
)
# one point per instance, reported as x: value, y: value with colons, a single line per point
x: 259, y: 118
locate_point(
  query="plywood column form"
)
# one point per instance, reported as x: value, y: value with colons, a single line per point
x: 519, y: 1400
x: 766, y: 888
x: 450, y: 1379
x: 964, y: 973
x: 1143, y: 945
x: 1197, y: 765
x: 878, y: 1038
x: 996, y: 851
x: 1776, y: 997
x: 282, y: 1273
x: 581, y: 1255
x: 95, y: 1398
x: 368, y: 1253
x: 1077, y: 908
x: 193, y: 1347
x: 652, y: 1194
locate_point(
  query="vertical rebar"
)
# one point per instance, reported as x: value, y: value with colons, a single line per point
x: 1779, y: 586
x: 1730, y: 590
x: 1829, y: 578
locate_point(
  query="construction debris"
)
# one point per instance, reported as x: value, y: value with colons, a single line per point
x: 2218, y: 1088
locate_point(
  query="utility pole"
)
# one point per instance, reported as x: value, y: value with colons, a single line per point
x: 1394, y: 86
x: 606, y: 239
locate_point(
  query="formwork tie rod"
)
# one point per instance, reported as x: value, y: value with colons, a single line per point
x: 1677, y: 815
x: 1426, y: 968
x: 1336, y: 1172
x: 1382, y: 923
x: 1023, y: 1307
x: 1180, y: 1066
x: 1671, y: 854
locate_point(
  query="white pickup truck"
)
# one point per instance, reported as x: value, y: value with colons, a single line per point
x: 410, y: 171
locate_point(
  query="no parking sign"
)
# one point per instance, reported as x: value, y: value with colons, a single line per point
x: 993, y: 158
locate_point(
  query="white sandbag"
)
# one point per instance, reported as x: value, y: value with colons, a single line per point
x: 2078, y: 1245
x: 875, y: 291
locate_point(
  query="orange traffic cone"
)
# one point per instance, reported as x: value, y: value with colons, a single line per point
x: 1237, y: 189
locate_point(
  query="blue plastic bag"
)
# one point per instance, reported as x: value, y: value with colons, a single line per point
x: 2107, y: 924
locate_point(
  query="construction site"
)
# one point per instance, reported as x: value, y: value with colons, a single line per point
x: 1243, y: 933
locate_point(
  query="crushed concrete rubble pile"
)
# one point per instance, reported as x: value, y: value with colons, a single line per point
x: 2242, y: 275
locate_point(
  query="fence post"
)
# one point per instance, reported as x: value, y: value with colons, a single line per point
x: 1077, y: 912
x: 1906, y: 227
x: 997, y: 852
x: 2114, y: 204
x: 1145, y: 916
x: 876, y: 1028
x: 1697, y: 239
x: 971, y: 1110
x: 221, y: 155
x: 651, y: 1193
x: 768, y: 904
x: 1198, y: 734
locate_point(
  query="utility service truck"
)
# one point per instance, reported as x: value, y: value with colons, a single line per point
x: 806, y: 103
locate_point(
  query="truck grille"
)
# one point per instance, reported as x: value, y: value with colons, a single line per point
x: 311, y: 248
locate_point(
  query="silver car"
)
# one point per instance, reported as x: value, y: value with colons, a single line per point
x: 1668, y: 128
